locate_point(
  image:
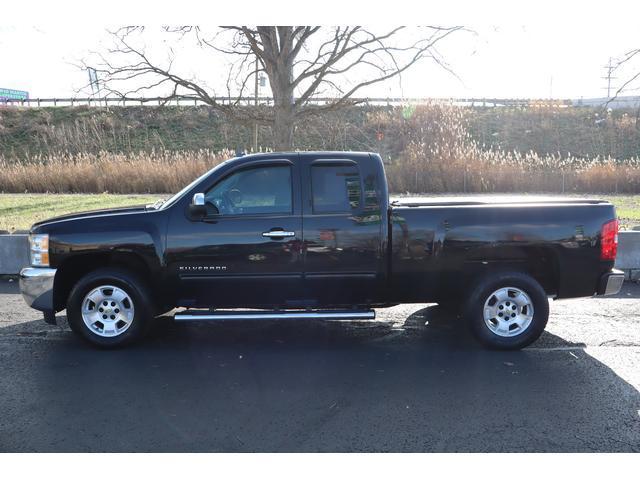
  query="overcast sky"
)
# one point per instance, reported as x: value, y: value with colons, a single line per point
x: 561, y: 59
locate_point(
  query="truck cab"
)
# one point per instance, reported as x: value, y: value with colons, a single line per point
x: 296, y: 230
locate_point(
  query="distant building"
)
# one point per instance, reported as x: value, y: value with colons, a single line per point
x: 618, y: 102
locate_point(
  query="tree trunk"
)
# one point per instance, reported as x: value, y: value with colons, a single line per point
x: 280, y: 73
x: 284, y: 115
x: 283, y: 128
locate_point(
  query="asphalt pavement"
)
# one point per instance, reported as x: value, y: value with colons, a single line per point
x: 412, y: 381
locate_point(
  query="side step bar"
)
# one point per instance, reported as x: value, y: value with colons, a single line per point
x: 276, y: 315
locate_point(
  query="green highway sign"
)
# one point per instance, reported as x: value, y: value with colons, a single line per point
x: 9, y: 94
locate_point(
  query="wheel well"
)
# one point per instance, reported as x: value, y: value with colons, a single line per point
x: 72, y: 270
x: 539, y: 262
x: 542, y: 264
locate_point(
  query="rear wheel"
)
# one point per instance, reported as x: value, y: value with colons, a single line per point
x: 507, y: 311
x: 109, y: 307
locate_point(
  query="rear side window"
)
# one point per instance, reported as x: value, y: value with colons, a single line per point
x: 335, y: 188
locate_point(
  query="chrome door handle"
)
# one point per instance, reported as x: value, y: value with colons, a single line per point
x: 278, y: 234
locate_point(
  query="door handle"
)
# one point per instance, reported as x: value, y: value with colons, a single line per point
x: 278, y: 234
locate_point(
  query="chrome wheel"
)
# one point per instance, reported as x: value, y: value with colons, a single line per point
x: 508, y: 312
x: 107, y: 311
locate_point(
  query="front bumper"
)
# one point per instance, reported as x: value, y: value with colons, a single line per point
x: 611, y: 282
x: 36, y: 286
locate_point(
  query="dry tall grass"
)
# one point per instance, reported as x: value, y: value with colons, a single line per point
x: 440, y: 156
x: 430, y: 145
x: 467, y: 168
x: 144, y: 172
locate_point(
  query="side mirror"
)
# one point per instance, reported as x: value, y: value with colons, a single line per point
x: 197, y: 208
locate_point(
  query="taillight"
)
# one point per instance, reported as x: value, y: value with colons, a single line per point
x: 609, y: 244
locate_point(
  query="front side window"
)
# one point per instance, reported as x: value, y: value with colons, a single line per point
x: 252, y: 191
x: 336, y: 188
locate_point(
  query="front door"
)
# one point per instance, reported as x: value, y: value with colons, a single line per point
x: 247, y: 251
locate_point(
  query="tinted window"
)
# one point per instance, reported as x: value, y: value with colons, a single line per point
x: 336, y: 188
x: 252, y: 191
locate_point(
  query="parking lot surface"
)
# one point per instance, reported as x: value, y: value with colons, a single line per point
x: 413, y: 380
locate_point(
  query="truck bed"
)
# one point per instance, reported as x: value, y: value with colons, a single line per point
x: 438, y: 242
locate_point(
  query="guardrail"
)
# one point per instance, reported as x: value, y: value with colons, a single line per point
x: 619, y: 102
x: 186, y: 101
x: 14, y: 254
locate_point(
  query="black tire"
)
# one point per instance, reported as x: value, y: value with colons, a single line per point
x: 130, y: 283
x: 481, y: 293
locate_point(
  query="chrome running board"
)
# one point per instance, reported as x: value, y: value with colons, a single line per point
x: 276, y: 315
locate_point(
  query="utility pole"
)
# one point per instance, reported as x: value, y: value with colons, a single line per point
x: 609, y: 69
x: 255, y: 96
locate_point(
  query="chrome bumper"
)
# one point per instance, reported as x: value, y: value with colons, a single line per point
x: 36, y: 286
x: 611, y: 282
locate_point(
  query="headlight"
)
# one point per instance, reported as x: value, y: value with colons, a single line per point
x: 39, y: 250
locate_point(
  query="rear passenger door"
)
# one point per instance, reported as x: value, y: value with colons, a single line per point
x: 341, y: 231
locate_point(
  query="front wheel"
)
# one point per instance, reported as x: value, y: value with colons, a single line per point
x: 507, y: 310
x: 109, y: 307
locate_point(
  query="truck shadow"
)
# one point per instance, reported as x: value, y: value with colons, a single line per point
x: 422, y: 384
x: 431, y: 327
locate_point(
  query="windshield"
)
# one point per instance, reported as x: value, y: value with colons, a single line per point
x: 163, y: 204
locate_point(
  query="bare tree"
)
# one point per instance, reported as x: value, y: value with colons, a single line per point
x: 301, y: 62
x: 626, y: 60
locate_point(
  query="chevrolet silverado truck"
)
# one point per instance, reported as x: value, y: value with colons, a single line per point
x: 315, y: 235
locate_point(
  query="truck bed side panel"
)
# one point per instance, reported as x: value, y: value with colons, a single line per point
x: 436, y: 249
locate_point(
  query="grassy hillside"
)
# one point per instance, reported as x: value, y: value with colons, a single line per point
x: 29, y: 133
x: 579, y: 132
x: 432, y: 148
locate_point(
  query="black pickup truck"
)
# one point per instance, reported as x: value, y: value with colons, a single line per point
x: 315, y: 235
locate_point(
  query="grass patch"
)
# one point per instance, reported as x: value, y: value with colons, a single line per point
x: 627, y: 208
x: 20, y: 211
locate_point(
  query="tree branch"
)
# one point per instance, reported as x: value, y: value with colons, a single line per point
x: 299, y: 61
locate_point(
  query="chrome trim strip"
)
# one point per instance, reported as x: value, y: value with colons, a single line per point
x: 338, y: 275
x: 240, y: 276
x: 36, y: 286
x: 292, y: 315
